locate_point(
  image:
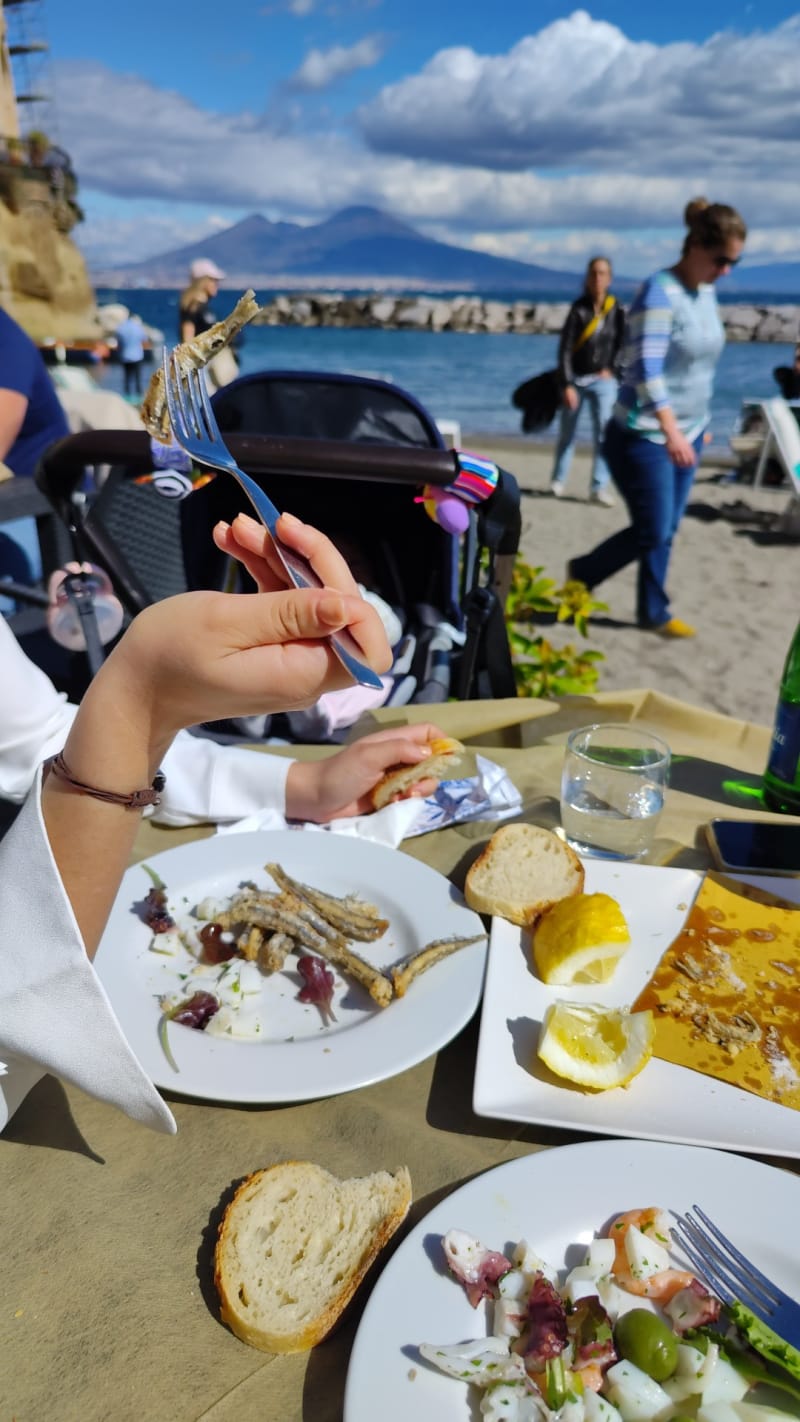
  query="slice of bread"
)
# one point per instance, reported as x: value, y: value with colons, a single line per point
x: 444, y: 754
x: 293, y: 1246
x: 522, y: 871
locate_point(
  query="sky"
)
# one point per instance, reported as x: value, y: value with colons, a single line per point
x: 525, y: 128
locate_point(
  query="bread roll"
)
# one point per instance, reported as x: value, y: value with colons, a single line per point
x: 522, y: 871
x: 293, y: 1246
x: 444, y: 754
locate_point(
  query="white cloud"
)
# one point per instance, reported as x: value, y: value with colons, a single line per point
x: 580, y: 93
x: 105, y: 239
x: 323, y: 67
x: 578, y: 138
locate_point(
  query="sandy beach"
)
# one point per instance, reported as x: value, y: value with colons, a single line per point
x: 736, y: 582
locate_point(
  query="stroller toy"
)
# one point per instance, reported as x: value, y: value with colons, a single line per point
x: 448, y: 506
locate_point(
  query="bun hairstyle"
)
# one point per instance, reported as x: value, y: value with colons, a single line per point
x: 711, y: 224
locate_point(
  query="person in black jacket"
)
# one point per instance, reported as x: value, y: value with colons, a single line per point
x: 788, y: 378
x: 588, y: 354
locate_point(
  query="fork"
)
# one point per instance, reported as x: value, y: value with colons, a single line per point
x: 196, y: 430
x: 733, y: 1277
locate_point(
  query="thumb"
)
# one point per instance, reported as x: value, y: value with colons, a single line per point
x: 295, y: 615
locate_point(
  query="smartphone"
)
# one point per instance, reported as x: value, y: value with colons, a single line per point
x: 752, y: 846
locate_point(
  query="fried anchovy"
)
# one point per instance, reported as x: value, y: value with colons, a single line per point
x: 351, y: 915
x: 281, y: 916
x: 249, y: 943
x: 275, y: 952
x: 404, y: 973
x: 193, y: 355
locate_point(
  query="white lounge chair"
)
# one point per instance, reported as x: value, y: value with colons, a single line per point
x: 781, y: 441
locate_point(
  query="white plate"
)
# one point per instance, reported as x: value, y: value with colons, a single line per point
x: 554, y: 1199
x: 298, y: 1058
x: 665, y: 1102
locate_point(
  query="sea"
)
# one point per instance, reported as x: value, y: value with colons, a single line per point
x: 466, y: 377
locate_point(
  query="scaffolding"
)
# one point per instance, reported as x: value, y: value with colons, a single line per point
x: 25, y: 45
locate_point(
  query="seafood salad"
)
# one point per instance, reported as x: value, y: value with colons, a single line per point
x: 624, y: 1336
x: 220, y: 954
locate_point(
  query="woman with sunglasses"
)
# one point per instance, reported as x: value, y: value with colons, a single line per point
x: 654, y: 438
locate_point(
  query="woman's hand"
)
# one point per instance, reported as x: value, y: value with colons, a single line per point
x: 570, y: 397
x: 204, y: 656
x: 680, y: 451
x: 248, y: 541
x: 340, y: 785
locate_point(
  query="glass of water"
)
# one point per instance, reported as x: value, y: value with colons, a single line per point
x: 612, y: 790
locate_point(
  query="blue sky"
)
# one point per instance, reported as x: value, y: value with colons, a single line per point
x: 532, y: 129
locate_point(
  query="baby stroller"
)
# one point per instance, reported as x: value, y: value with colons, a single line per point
x: 350, y: 454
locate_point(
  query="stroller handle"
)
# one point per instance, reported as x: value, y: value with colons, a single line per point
x: 62, y: 466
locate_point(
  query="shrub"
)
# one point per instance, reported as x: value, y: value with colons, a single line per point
x: 541, y: 667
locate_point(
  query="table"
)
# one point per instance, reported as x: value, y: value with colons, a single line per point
x: 108, y: 1307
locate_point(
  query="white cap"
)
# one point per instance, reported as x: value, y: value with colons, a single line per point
x: 204, y: 267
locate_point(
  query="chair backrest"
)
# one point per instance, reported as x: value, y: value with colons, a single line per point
x: 786, y: 437
x: 318, y: 405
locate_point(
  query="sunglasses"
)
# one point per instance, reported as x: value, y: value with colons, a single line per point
x: 720, y: 260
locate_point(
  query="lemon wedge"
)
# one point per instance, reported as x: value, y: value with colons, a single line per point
x: 596, y: 1047
x: 580, y: 939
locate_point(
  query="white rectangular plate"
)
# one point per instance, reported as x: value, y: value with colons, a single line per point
x: 665, y: 1102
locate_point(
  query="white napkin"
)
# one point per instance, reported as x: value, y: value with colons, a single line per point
x: 489, y: 795
x: 387, y: 826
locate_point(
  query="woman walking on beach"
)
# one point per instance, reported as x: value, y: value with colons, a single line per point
x: 655, y: 435
x: 589, y: 349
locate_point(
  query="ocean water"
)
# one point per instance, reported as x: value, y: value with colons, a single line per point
x: 457, y: 376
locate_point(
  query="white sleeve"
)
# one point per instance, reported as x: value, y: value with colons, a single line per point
x: 55, y: 1015
x: 34, y: 719
x: 209, y: 782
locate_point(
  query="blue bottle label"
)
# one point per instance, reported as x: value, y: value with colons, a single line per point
x: 784, y: 755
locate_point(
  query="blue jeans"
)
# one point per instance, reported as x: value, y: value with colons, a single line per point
x: 600, y: 396
x: 655, y: 491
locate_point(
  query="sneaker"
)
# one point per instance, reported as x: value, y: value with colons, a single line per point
x: 674, y: 628
x: 557, y: 490
x: 603, y: 496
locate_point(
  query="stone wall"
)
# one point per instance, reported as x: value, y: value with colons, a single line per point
x: 472, y: 313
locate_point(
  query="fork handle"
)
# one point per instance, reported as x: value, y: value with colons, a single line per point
x: 303, y: 576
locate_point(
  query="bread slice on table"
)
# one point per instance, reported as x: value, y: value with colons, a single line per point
x: 522, y: 872
x: 444, y: 754
x: 293, y: 1246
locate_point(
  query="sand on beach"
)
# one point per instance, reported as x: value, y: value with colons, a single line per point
x: 736, y: 583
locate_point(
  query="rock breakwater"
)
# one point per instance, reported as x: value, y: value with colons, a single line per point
x: 472, y: 313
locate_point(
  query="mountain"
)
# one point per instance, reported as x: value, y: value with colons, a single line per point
x: 359, y: 246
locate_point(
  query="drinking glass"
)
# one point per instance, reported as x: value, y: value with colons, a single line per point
x: 612, y: 790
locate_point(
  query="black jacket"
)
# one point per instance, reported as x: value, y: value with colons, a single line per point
x: 603, y: 349
x: 789, y: 381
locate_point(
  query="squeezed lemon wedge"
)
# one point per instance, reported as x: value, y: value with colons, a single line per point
x: 580, y: 939
x: 593, y: 1046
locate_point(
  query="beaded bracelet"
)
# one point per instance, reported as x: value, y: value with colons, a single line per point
x: 137, y: 800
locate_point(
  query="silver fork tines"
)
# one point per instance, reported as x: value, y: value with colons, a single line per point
x: 196, y: 430
x: 732, y: 1276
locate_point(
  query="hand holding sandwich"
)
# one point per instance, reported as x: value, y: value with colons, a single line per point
x: 343, y: 784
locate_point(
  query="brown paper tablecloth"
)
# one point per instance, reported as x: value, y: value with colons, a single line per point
x: 108, y: 1309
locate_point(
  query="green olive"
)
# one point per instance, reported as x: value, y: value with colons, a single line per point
x: 646, y: 1342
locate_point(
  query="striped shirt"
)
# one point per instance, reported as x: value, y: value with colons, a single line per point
x: 674, y: 339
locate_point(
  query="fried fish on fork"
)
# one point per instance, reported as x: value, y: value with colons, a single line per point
x: 193, y: 355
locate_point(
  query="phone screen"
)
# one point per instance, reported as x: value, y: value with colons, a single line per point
x: 746, y: 844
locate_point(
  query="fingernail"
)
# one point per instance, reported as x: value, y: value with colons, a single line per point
x: 330, y: 609
x: 221, y: 526
x: 290, y: 518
